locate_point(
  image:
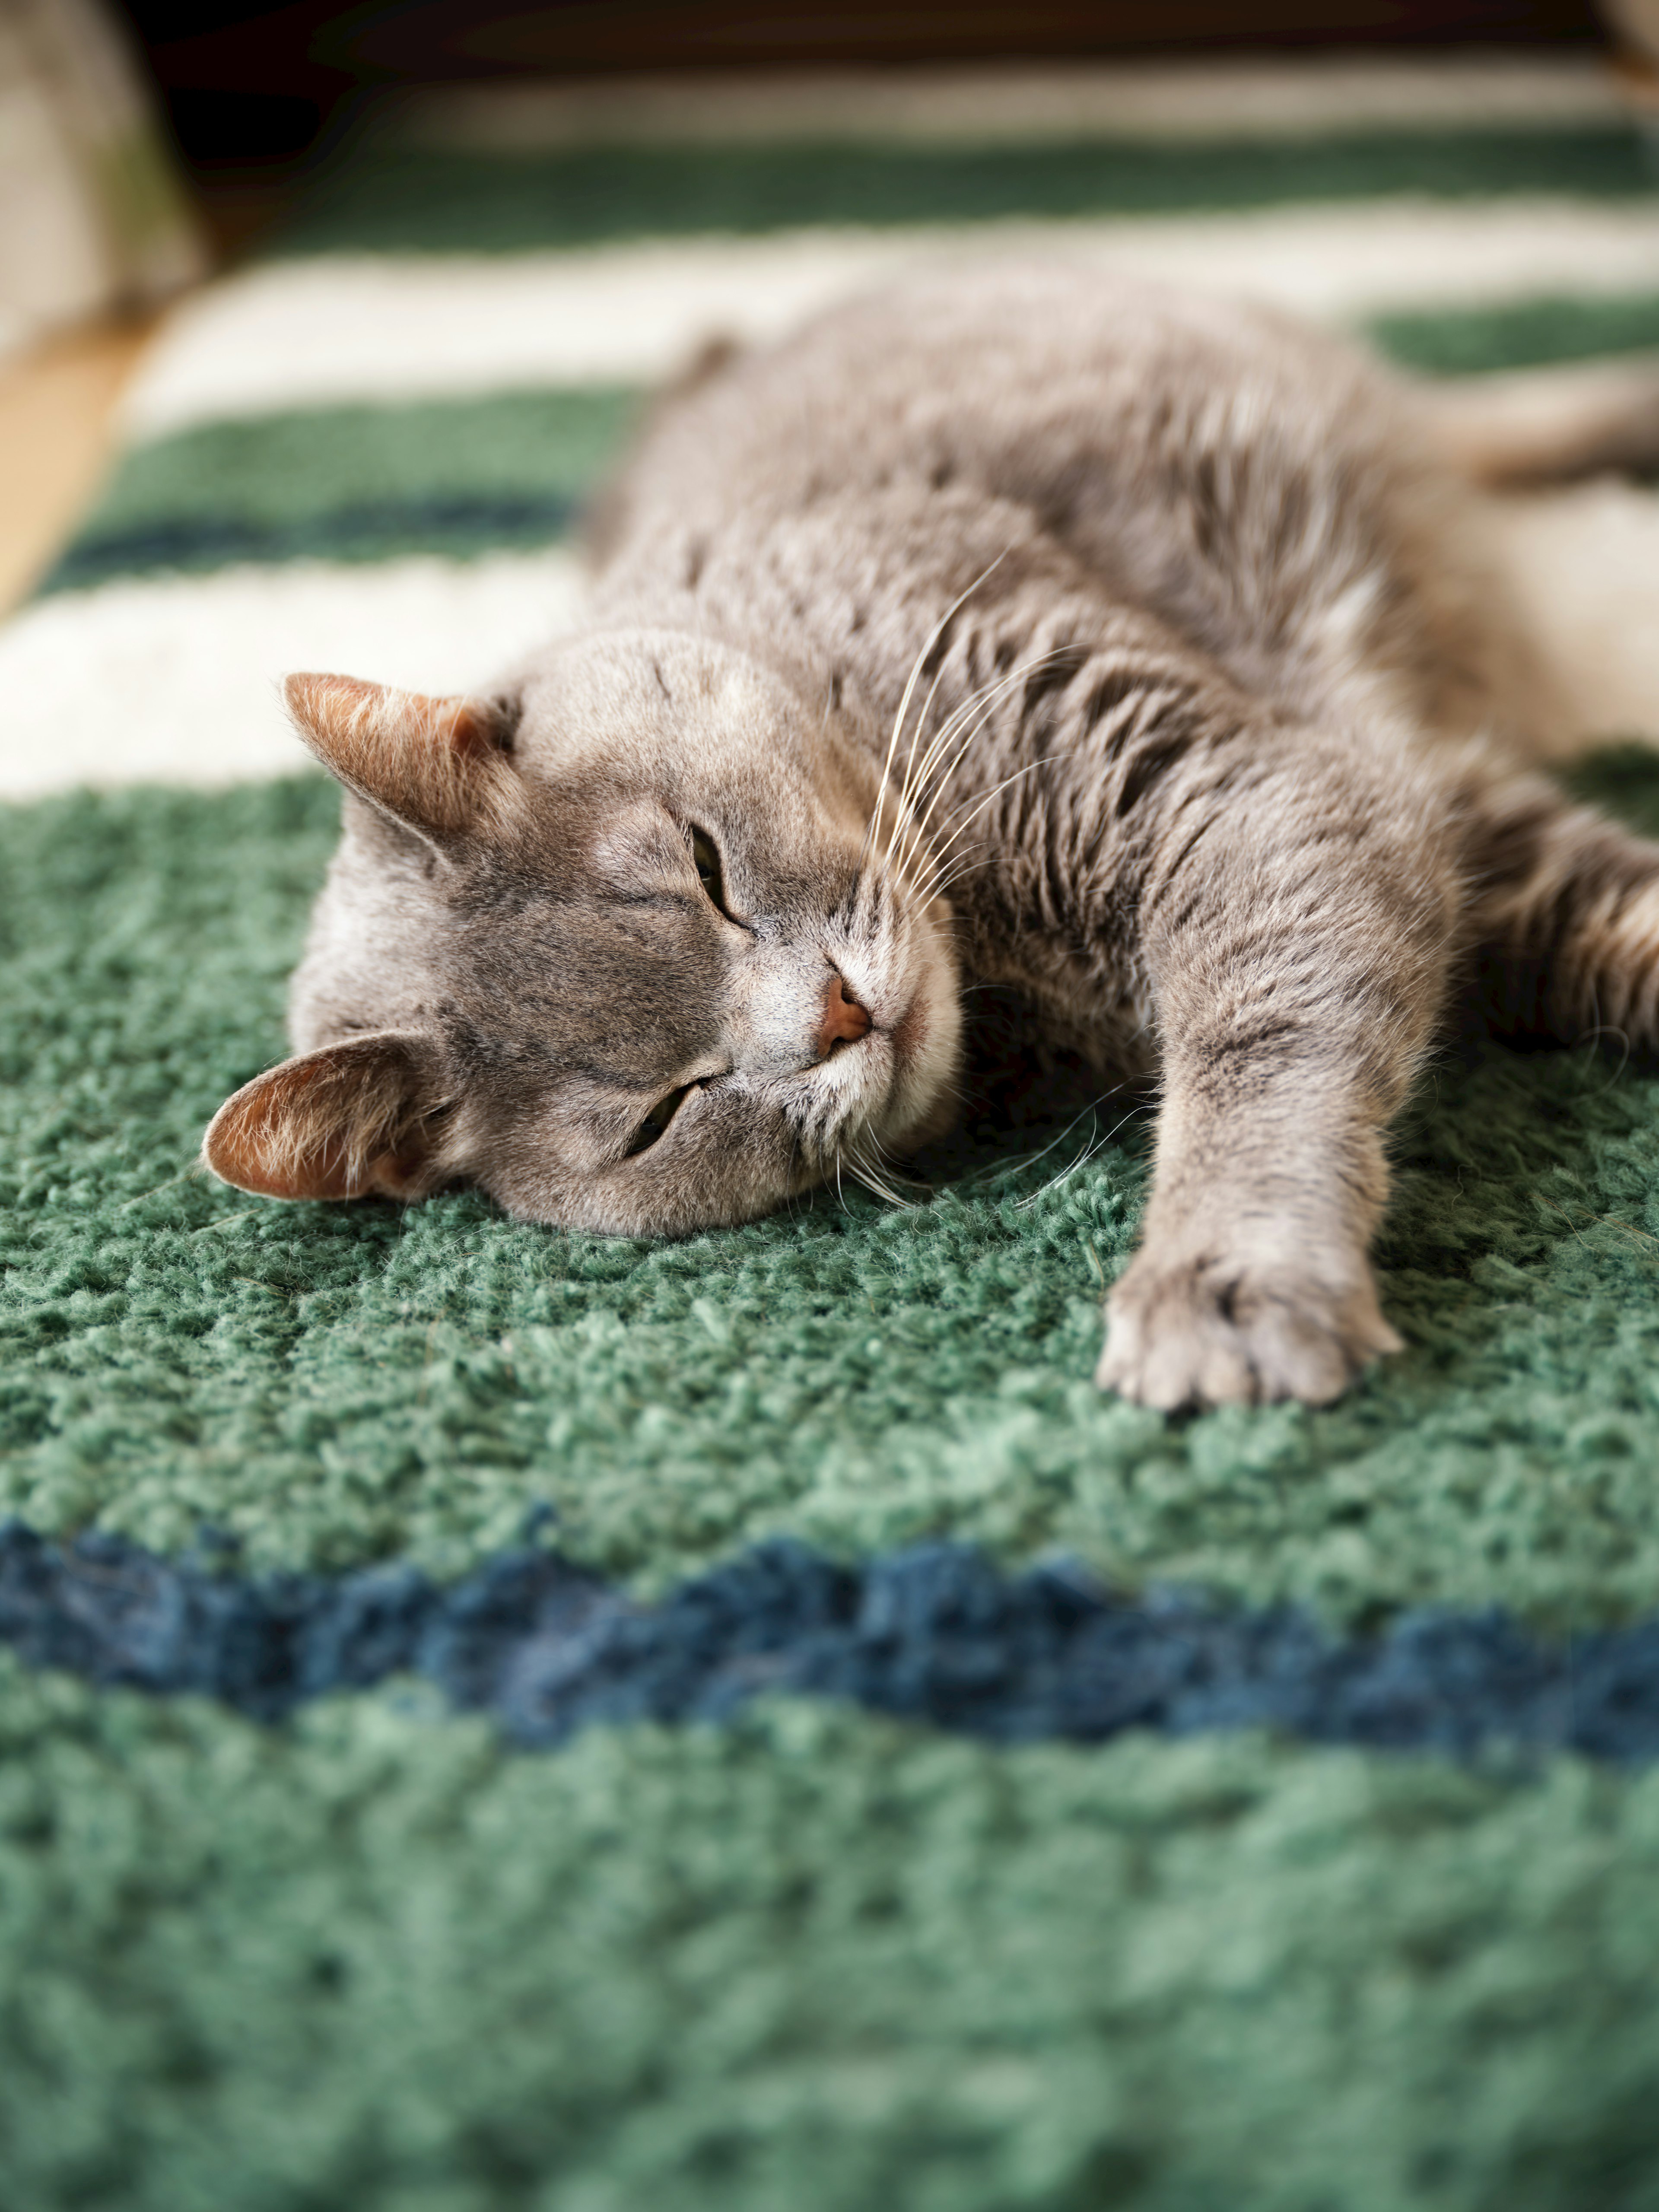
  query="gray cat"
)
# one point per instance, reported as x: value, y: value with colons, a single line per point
x: 1018, y: 626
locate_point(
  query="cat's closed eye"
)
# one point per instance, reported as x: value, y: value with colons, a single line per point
x: 655, y: 1124
x: 706, y: 859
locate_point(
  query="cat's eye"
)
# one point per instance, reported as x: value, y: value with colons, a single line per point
x: 707, y: 861
x: 656, y: 1122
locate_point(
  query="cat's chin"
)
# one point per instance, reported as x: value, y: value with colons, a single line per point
x: 925, y: 1043
x: 927, y: 1128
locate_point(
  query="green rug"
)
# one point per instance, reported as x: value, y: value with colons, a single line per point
x: 330, y: 1385
x: 373, y: 1958
x: 808, y: 1961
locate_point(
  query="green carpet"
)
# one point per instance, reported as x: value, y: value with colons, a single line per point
x: 406, y: 200
x: 809, y: 1961
x: 336, y: 1384
x: 372, y: 1961
x: 465, y: 476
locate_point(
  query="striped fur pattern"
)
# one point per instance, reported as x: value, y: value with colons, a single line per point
x: 1027, y: 628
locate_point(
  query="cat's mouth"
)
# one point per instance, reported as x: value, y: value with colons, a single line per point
x: 909, y: 1032
x: 922, y: 1087
x: 900, y: 1076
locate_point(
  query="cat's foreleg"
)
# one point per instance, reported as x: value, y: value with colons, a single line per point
x: 1298, y: 953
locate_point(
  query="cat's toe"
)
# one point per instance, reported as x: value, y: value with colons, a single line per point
x: 1214, y: 1333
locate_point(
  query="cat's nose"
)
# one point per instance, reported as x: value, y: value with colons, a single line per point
x: 844, y: 1020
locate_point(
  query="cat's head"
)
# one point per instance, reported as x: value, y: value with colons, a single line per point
x: 613, y: 944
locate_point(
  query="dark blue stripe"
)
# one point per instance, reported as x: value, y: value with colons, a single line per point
x: 934, y: 1634
x: 365, y: 530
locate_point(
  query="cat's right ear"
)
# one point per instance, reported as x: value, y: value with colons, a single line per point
x: 349, y: 1119
x: 441, y: 767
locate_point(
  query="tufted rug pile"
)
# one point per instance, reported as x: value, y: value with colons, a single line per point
x: 491, y: 1719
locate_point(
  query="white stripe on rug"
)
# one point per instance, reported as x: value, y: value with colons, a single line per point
x: 1584, y: 566
x: 990, y: 104
x: 322, y: 332
x: 174, y: 679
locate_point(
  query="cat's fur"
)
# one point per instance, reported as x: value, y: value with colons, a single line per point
x: 1019, y: 626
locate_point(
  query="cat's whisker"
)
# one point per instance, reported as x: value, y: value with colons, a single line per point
x: 1024, y: 1205
x: 910, y: 796
x: 957, y: 721
x: 892, y: 748
x: 914, y: 677
x: 844, y: 1161
x: 890, y: 1166
x: 906, y: 788
x: 945, y: 884
x: 841, y: 1196
x: 875, y: 1183
x: 989, y: 699
x: 996, y: 792
x: 1029, y: 768
x: 1089, y: 1153
x: 945, y: 877
x: 1000, y: 1170
x: 912, y: 861
x: 985, y: 697
x: 948, y: 883
x: 980, y: 706
x: 920, y: 663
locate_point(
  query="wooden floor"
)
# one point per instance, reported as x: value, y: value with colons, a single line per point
x: 56, y: 408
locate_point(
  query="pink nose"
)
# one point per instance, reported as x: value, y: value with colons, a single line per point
x: 844, y: 1020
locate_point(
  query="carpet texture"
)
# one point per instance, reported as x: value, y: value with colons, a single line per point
x: 493, y: 1719
x: 930, y: 1634
x: 329, y: 1385
x: 807, y: 1959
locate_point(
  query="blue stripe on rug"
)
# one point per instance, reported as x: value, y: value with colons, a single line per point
x: 934, y: 1633
x: 365, y: 530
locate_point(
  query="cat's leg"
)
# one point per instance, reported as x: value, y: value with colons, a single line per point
x: 1540, y: 426
x: 1564, y: 916
x: 1299, y: 956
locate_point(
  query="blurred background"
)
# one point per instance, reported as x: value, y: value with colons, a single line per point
x: 248, y: 88
x: 146, y: 145
x: 248, y: 95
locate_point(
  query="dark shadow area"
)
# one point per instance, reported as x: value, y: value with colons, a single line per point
x: 256, y: 93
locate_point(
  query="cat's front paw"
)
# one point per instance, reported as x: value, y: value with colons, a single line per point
x: 1216, y: 1332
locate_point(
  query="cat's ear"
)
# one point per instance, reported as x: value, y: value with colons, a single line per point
x: 339, y: 1122
x: 439, y: 766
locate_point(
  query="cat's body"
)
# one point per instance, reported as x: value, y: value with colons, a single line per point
x: 1016, y: 628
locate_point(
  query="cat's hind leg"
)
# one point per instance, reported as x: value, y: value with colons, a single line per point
x: 1300, y: 957
x: 1564, y: 916
x: 1529, y: 426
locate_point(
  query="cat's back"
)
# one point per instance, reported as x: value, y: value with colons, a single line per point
x: 1074, y: 391
x: 1256, y: 485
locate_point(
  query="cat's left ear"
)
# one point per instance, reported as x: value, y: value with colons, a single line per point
x: 441, y: 767
x: 347, y: 1119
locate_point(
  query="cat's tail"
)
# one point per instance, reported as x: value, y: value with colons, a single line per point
x: 1540, y: 426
